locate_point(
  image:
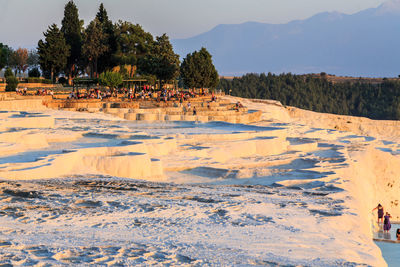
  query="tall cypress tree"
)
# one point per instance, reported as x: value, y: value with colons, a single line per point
x: 4, y: 54
x: 105, y: 61
x: 208, y: 72
x: 72, y: 30
x: 189, y: 72
x: 94, y: 45
x: 169, y: 61
x: 53, y: 51
x: 102, y: 15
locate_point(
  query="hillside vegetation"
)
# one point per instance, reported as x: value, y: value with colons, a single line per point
x: 372, y: 100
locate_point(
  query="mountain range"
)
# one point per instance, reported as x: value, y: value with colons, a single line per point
x: 366, y: 43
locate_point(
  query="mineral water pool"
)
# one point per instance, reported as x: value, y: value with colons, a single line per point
x: 390, y: 251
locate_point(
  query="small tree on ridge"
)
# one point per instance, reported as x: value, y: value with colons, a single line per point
x: 198, y: 71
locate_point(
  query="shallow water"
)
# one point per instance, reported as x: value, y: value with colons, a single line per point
x: 390, y: 251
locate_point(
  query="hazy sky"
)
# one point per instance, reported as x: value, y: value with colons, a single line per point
x: 22, y: 22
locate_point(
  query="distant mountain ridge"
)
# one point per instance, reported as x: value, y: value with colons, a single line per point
x: 366, y: 43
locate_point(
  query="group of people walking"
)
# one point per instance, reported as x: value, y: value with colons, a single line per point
x: 384, y: 218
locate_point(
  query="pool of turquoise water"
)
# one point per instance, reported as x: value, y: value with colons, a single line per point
x: 390, y: 251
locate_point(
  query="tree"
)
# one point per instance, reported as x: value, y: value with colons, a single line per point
x: 34, y: 73
x: 102, y: 15
x: 94, y: 45
x: 8, y: 72
x: 123, y: 70
x: 11, y: 80
x: 72, y: 30
x: 33, y: 59
x: 111, y: 79
x: 162, y: 62
x: 53, y: 51
x: 4, y: 55
x: 376, y: 101
x: 12, y: 83
x: 12, y: 61
x: 105, y: 61
x: 132, y: 43
x: 198, y: 71
x: 21, y: 59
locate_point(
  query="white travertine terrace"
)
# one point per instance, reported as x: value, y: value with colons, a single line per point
x: 285, y: 147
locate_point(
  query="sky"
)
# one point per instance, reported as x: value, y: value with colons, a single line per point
x: 22, y: 22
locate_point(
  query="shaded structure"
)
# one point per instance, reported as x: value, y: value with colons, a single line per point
x: 84, y: 83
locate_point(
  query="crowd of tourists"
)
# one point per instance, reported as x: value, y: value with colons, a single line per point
x: 91, y: 93
x: 179, y: 97
x: 38, y: 92
x: 146, y: 93
x: 21, y: 91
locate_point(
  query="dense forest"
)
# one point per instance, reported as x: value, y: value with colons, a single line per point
x: 376, y: 101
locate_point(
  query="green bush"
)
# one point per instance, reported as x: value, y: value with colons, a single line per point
x: 34, y: 80
x: 8, y: 72
x: 111, y: 79
x: 12, y: 83
x: 46, y: 81
x: 38, y: 80
x: 34, y: 73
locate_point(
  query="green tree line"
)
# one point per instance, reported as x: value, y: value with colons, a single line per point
x: 19, y: 60
x: 121, y: 50
x: 376, y: 101
x: 102, y: 45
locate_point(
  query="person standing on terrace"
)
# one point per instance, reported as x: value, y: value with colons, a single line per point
x: 386, y: 224
x: 380, y: 213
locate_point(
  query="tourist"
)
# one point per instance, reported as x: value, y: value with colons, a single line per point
x: 398, y: 234
x: 130, y: 94
x: 386, y: 222
x: 380, y: 213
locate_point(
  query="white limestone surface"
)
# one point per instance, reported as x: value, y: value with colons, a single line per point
x: 91, y: 188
